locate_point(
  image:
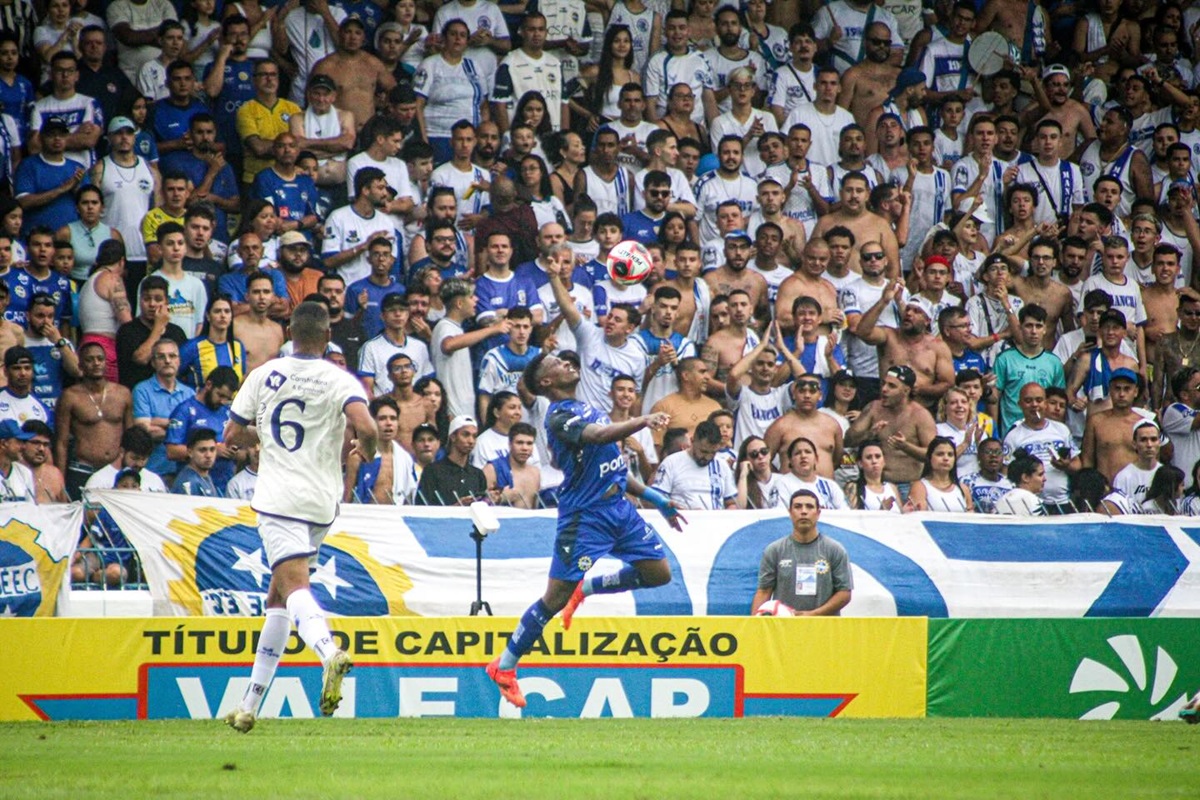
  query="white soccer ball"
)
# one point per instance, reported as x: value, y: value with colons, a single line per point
x: 629, y: 263
x: 774, y: 608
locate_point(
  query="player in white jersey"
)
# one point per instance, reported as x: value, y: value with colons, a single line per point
x: 298, y: 407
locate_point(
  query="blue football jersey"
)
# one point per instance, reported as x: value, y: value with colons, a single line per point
x: 589, y: 470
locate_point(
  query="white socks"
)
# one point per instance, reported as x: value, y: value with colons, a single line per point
x: 271, y: 643
x: 310, y: 623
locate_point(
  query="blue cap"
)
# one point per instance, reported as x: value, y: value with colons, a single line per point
x: 910, y: 76
x: 10, y: 429
x: 738, y: 234
x: 1124, y: 374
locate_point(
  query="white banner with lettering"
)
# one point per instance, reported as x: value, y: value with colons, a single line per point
x: 37, y: 543
x: 204, y: 557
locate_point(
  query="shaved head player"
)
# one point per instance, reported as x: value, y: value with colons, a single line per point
x: 594, y: 517
x: 299, y: 407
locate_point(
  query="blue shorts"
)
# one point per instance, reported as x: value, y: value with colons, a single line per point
x: 611, y: 530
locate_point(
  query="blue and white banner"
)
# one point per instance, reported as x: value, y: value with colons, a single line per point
x: 204, y: 557
x: 36, y: 546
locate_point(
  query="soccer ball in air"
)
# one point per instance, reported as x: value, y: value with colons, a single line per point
x: 774, y: 608
x: 629, y: 263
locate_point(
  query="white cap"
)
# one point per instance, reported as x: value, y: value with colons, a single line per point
x: 461, y: 421
x: 981, y: 214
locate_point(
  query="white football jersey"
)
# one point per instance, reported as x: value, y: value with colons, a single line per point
x: 298, y: 405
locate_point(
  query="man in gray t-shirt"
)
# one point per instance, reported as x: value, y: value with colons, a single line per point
x: 806, y: 571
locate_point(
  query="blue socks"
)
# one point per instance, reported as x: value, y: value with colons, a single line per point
x: 526, y: 634
x: 533, y: 622
x: 628, y: 578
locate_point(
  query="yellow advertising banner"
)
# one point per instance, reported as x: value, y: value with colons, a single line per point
x: 198, y: 668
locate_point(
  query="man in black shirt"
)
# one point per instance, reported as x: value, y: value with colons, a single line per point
x: 104, y: 82
x: 136, y: 338
x: 345, y: 331
x: 452, y: 481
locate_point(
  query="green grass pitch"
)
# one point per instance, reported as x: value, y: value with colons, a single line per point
x: 799, y: 759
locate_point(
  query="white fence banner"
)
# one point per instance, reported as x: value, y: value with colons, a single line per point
x: 204, y: 557
x: 36, y: 546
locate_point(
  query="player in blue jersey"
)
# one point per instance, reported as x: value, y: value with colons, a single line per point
x: 594, y: 517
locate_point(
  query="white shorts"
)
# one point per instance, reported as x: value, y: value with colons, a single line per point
x: 286, y: 538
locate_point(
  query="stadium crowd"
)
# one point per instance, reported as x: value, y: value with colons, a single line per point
x: 891, y: 268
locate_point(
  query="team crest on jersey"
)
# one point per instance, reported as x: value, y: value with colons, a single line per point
x: 822, y: 566
x: 643, y: 26
x: 275, y: 381
x: 19, y: 290
x: 520, y: 297
x: 243, y: 76
x: 485, y: 24
x: 1087, y: 168
x: 144, y: 185
x: 352, y: 237
x: 584, y: 563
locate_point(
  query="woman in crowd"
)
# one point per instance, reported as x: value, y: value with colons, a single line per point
x: 434, y: 394
x: 1028, y: 477
x: 203, y: 31
x: 672, y: 232
x: 568, y: 154
x: 258, y: 217
x: 959, y: 424
x: 533, y: 186
x: 429, y: 279
x: 681, y: 101
x: 840, y: 393
x: 413, y: 33
x: 870, y: 492
x: 1165, y: 495
x: 802, y: 474
x: 614, y: 71
x: 12, y: 217
x: 939, y: 488
x: 58, y: 33
x: 261, y: 21
x: 87, y: 233
x: 531, y: 110
x: 1091, y: 492
x: 214, y: 347
x: 757, y: 484
x: 144, y: 145
x: 449, y: 87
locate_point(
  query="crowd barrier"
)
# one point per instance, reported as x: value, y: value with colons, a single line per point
x: 198, y: 668
x: 203, y: 557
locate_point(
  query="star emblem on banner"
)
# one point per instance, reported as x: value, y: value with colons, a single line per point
x: 326, y: 575
x: 252, y: 562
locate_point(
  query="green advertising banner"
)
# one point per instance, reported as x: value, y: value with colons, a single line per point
x: 1071, y: 668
